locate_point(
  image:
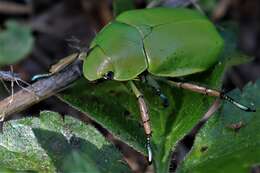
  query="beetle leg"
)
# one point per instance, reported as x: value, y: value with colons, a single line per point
x: 32, y: 90
x: 2, y: 118
x: 13, y: 78
x: 12, y: 85
x: 153, y: 83
x: 39, y: 76
x: 209, y: 92
x: 5, y: 86
x: 145, y: 119
x: 16, y: 80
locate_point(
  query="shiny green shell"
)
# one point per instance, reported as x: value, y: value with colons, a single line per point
x: 164, y: 41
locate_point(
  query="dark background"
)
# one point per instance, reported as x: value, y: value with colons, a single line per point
x: 55, y: 22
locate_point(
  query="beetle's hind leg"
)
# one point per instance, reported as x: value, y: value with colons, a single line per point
x: 154, y: 84
x: 209, y: 92
x: 145, y: 119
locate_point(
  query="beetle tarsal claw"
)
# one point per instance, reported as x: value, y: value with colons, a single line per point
x: 240, y: 106
x: 149, y: 150
x: 2, y: 117
x: 163, y: 98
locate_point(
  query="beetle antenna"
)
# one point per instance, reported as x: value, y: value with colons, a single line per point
x: 232, y: 101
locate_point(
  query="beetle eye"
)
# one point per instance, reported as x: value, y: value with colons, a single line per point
x: 109, y: 75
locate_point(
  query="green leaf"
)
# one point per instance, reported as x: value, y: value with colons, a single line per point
x: 120, y: 6
x: 15, y: 43
x: 53, y: 144
x: 114, y: 106
x: 229, y: 142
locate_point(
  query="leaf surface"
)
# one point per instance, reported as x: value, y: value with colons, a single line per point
x: 53, y: 144
x: 16, y: 41
x: 230, y: 141
x: 113, y: 105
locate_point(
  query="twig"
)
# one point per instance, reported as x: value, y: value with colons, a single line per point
x: 221, y: 9
x: 5, y: 86
x: 13, y: 78
x: 14, y: 8
x: 9, y: 76
x: 172, y: 3
x: 213, y: 108
x: 41, y: 90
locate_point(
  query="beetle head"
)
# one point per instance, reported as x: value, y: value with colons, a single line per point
x: 97, y: 65
x: 109, y: 75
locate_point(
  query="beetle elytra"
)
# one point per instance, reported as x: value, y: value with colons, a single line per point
x: 164, y: 41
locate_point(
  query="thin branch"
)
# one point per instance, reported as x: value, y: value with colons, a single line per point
x: 9, y: 76
x: 213, y: 108
x: 172, y: 3
x: 41, y: 90
x: 14, y: 8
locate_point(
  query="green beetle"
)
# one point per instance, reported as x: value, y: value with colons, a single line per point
x: 164, y: 42
x: 151, y: 44
x: 157, y: 40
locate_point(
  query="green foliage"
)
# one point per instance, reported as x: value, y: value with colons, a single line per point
x: 114, y: 106
x: 51, y: 143
x: 16, y: 42
x: 229, y: 142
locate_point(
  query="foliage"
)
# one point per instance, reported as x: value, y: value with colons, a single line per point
x: 16, y: 42
x: 229, y: 142
x: 51, y: 143
x: 114, y: 106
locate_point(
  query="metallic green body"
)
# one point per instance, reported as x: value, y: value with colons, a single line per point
x: 165, y: 41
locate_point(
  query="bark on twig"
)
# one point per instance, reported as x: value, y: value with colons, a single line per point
x: 14, y: 8
x: 172, y: 3
x: 41, y: 90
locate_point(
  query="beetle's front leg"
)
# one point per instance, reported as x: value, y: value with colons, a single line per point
x: 39, y: 76
x: 209, y: 92
x: 145, y: 119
